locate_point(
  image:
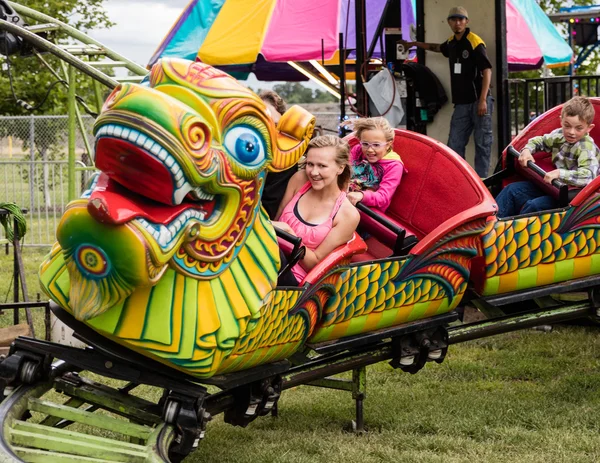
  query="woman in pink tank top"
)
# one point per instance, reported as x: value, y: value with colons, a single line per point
x: 315, y: 207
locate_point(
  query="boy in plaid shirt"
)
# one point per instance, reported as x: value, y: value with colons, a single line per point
x: 574, y: 154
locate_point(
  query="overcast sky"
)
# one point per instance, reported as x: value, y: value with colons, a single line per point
x: 141, y: 26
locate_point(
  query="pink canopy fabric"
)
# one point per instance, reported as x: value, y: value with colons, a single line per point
x: 248, y: 34
x: 522, y: 48
x: 532, y: 39
x: 321, y: 16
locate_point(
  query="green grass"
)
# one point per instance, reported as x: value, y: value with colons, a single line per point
x: 32, y: 257
x: 527, y: 397
x: 521, y: 397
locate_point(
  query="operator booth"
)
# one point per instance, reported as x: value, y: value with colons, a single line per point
x: 485, y: 20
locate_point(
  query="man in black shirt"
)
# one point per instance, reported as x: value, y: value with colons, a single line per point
x: 471, y: 75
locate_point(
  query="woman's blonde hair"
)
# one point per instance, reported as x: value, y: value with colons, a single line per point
x: 374, y: 123
x: 342, y: 155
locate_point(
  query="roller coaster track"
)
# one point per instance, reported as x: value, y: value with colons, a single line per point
x: 98, y: 55
x: 68, y: 416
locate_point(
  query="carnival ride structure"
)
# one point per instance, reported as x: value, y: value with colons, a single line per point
x: 167, y: 268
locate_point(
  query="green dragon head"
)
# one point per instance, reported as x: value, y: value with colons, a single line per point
x: 183, y: 161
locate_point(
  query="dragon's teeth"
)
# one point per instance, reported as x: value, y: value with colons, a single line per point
x: 165, y: 236
x: 181, y: 191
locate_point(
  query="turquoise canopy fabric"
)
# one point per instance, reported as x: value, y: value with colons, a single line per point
x: 542, y: 34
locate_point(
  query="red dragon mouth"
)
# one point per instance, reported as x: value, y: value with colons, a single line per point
x: 114, y: 204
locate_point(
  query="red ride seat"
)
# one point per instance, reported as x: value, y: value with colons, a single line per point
x: 437, y: 188
x: 339, y: 256
x: 549, y: 121
x: 544, y: 124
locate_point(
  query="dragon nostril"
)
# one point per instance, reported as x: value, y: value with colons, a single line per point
x: 194, y: 231
x: 97, y: 209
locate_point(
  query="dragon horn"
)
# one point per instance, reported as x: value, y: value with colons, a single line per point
x: 294, y: 130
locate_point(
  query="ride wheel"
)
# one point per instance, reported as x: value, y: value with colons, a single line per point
x: 75, y: 419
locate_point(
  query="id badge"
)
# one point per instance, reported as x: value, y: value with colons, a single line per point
x: 457, y: 67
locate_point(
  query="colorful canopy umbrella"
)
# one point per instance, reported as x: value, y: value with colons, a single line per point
x: 261, y: 36
x: 532, y: 39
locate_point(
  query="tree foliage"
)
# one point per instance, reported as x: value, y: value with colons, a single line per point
x: 31, y: 79
x: 297, y: 93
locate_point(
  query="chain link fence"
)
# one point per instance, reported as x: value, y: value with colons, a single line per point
x: 34, y: 167
x: 34, y: 170
x: 40, y: 136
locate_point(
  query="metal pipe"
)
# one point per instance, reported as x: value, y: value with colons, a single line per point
x: 16, y: 274
x: 501, y: 73
x: 362, y: 103
x: 517, y: 322
x: 39, y: 42
x: 526, y: 104
x: 23, y: 10
x: 379, y: 31
x: 342, y: 55
x: 78, y: 117
x: 72, y: 106
x: 313, y: 371
x: 31, y: 164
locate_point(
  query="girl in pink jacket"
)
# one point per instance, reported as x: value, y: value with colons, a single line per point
x: 376, y: 169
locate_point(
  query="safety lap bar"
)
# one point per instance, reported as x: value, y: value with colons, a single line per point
x: 397, y: 230
x: 562, y: 187
x: 298, y: 250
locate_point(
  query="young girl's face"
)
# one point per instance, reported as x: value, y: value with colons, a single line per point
x: 374, y: 145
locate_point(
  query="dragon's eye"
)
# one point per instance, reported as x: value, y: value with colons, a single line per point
x: 246, y: 145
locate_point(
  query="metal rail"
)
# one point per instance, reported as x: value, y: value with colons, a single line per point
x: 333, y: 364
x: 518, y: 322
x: 45, y: 45
x: 71, y: 31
